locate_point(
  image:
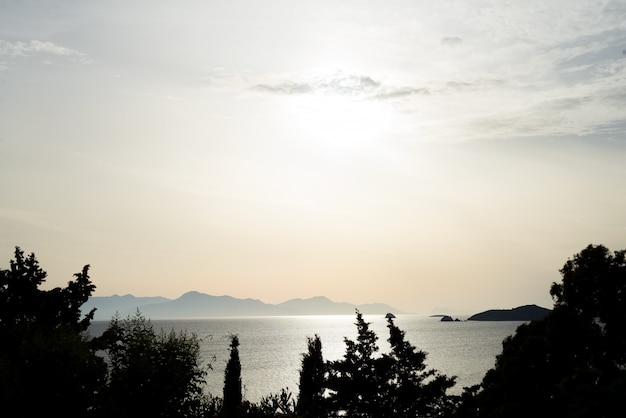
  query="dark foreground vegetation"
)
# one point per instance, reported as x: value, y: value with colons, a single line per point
x: 572, y: 363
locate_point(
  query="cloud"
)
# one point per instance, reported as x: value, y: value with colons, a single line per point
x: 576, y: 114
x: 451, y: 41
x: 34, y: 46
x: 20, y: 49
x: 400, y: 92
x: 285, y: 87
x: 339, y: 83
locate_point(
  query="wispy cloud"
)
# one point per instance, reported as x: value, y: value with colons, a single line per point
x: 337, y: 83
x: 285, y: 87
x: 575, y: 113
x: 399, y: 92
x: 505, y: 71
x: 359, y: 86
x: 577, y: 90
x: 23, y: 49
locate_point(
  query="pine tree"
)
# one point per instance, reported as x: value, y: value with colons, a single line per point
x: 413, y: 390
x: 356, y: 382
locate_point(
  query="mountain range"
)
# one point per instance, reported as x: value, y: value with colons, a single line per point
x: 200, y: 305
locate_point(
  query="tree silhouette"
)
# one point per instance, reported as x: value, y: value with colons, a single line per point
x: 152, y: 374
x: 356, y: 382
x: 593, y: 294
x: 275, y: 405
x: 412, y: 390
x: 232, y: 379
x: 573, y: 362
x: 23, y: 303
x: 47, y: 365
x: 395, y: 384
x: 311, y: 396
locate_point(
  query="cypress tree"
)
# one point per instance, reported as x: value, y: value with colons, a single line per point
x: 232, y: 379
x: 310, y: 398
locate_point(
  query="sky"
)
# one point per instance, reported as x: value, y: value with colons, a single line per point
x: 448, y: 155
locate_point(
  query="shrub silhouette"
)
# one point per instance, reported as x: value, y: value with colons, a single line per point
x: 151, y: 374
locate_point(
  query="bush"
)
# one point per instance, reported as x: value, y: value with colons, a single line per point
x: 152, y: 374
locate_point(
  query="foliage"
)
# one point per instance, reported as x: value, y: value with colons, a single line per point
x: 22, y: 303
x: 396, y: 384
x: 232, y: 379
x: 572, y: 363
x: 47, y: 365
x: 151, y: 374
x: 274, y: 405
x: 312, y: 374
x: 412, y: 390
x: 356, y: 382
x: 593, y: 295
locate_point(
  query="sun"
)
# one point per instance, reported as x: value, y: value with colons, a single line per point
x: 337, y: 122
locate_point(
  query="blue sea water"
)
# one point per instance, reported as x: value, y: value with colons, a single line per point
x: 271, y: 348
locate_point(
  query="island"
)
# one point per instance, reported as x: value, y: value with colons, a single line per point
x: 521, y: 313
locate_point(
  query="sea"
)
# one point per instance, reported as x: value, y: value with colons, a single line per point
x: 271, y: 348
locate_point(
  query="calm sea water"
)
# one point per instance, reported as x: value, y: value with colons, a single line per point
x: 271, y: 348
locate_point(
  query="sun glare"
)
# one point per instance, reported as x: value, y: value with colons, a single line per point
x: 341, y: 123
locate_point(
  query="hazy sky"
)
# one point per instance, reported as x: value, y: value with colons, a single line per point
x: 422, y: 154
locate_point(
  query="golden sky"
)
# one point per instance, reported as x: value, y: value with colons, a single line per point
x: 421, y: 154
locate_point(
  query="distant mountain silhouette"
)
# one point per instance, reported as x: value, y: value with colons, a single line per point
x: 521, y: 313
x: 200, y: 305
x: 320, y: 305
x: 107, y: 306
